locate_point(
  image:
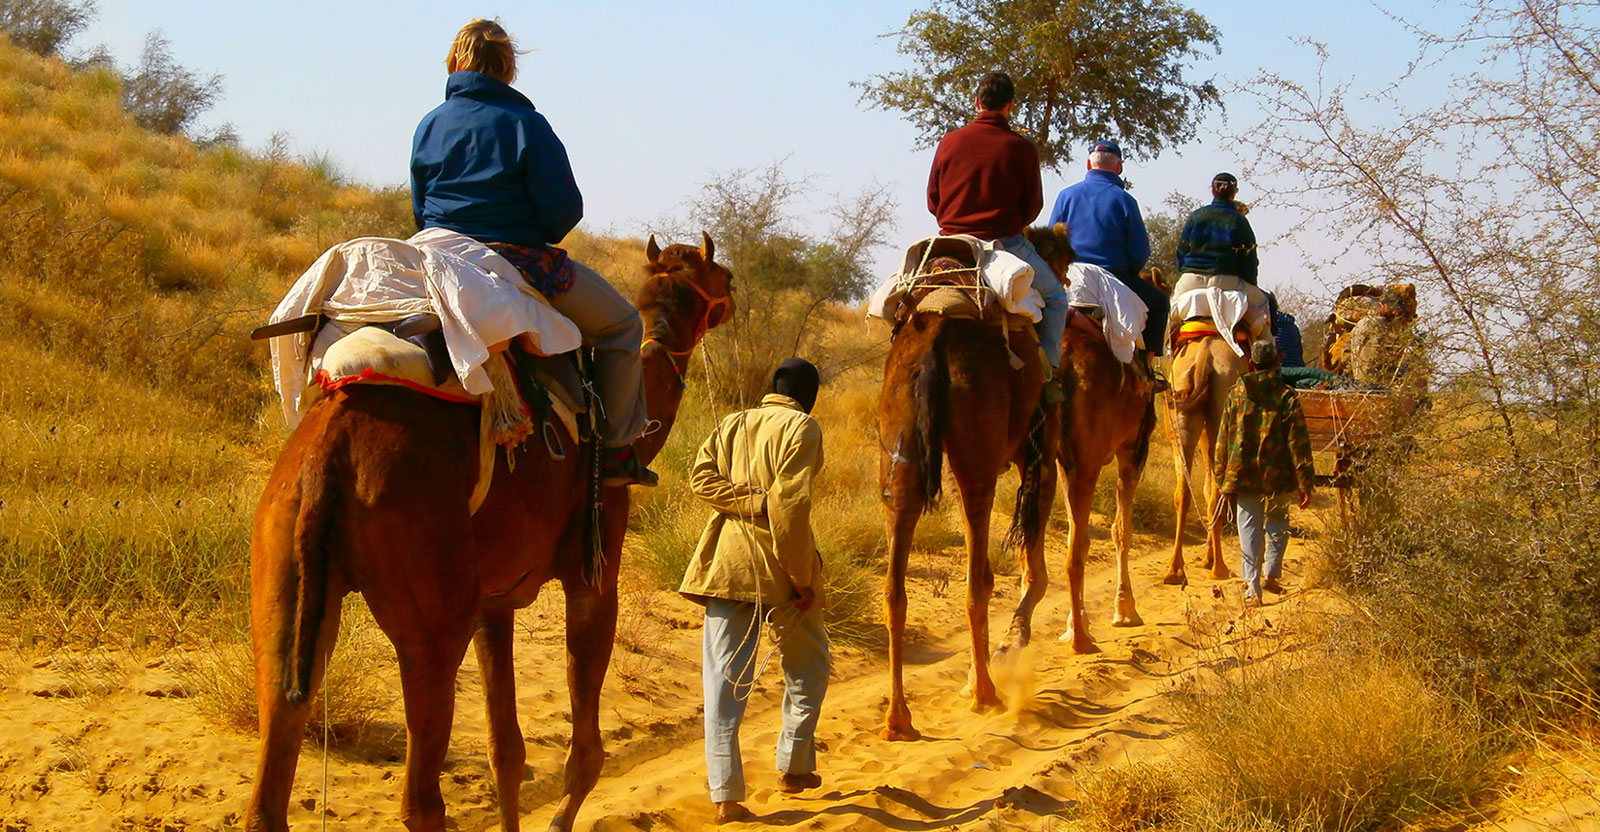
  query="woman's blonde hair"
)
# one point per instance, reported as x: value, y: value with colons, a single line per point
x: 483, y: 46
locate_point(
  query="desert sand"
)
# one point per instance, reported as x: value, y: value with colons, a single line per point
x: 127, y: 749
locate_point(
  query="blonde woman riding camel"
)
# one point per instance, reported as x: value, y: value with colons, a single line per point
x: 487, y: 165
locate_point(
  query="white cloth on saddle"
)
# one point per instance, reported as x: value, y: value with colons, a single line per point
x: 480, y: 298
x: 1123, y: 310
x: 1009, y: 276
x: 1225, y: 307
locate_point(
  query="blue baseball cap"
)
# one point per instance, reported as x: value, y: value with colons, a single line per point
x: 1106, y: 146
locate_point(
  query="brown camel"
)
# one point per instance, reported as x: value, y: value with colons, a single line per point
x: 1109, y: 413
x: 949, y: 390
x: 1203, y: 370
x: 371, y: 495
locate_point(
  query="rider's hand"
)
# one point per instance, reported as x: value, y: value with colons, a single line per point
x: 1305, y: 499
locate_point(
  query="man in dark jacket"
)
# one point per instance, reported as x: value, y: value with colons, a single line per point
x: 985, y: 182
x: 1263, y: 456
x: 1217, y: 248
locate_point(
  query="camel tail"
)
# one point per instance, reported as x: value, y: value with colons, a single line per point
x: 1188, y: 396
x: 931, y: 395
x: 1027, y: 520
x: 311, y: 531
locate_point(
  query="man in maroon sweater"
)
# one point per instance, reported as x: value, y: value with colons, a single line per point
x: 985, y: 182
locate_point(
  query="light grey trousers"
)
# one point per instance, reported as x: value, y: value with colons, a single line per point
x: 728, y: 673
x: 612, y: 326
x: 1255, y: 514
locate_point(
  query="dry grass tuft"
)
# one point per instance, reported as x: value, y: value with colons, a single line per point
x: 1129, y: 798
x: 1335, y: 742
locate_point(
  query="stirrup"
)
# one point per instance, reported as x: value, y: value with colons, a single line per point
x: 622, y: 467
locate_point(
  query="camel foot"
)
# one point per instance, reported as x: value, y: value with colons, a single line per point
x: 1176, y: 579
x: 1131, y: 619
x: 1081, y: 643
x: 1016, y: 639
x: 1221, y: 573
x: 987, y: 704
x: 904, y: 733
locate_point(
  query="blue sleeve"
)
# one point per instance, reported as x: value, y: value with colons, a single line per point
x: 418, y: 183
x: 1059, y: 212
x: 1138, y: 237
x: 557, y: 203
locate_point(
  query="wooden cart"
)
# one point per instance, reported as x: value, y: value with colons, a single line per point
x: 1344, y: 425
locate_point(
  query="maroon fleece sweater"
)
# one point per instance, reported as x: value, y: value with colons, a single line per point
x: 985, y: 180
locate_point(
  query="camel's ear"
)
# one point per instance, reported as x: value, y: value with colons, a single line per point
x: 651, y: 250
x: 708, y: 249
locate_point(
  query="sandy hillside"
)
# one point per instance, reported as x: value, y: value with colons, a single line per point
x: 114, y: 743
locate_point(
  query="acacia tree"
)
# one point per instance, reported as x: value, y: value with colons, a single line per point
x: 162, y: 94
x: 44, y: 26
x: 1083, y: 70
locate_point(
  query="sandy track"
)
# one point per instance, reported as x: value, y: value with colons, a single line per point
x: 136, y: 756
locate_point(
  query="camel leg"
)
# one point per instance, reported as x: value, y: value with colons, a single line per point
x: 1127, y: 615
x: 1035, y: 574
x: 1080, y: 498
x: 1184, y: 443
x: 977, y: 501
x: 591, y: 631
x: 430, y: 632
x: 1215, y: 523
x: 282, y: 723
x: 507, y: 753
x: 902, y: 528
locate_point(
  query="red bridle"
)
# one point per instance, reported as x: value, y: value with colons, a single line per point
x: 700, y: 329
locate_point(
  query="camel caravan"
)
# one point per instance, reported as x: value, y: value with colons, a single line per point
x: 470, y: 407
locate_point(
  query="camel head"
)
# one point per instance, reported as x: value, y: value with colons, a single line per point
x: 1054, y: 247
x: 685, y: 290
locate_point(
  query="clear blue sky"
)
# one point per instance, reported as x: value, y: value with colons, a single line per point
x: 650, y: 98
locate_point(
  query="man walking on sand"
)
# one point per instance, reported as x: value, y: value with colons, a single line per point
x: 1263, y: 456
x: 757, y: 564
x: 985, y: 183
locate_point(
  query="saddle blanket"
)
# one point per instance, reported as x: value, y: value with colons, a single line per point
x: 1123, y: 312
x: 1225, y: 307
x: 480, y: 298
x: 1007, y: 275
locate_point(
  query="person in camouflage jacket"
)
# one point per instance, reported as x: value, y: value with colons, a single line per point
x: 1263, y: 455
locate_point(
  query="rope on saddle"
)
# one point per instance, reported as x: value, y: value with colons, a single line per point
x: 594, y: 533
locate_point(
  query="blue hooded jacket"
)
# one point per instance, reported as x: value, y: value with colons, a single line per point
x: 486, y: 164
x: 1104, y: 223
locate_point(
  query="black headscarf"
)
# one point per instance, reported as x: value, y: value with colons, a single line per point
x: 797, y: 378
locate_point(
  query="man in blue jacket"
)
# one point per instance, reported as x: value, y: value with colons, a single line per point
x: 1107, y: 230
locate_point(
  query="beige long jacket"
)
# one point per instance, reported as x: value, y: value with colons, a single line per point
x: 755, y: 472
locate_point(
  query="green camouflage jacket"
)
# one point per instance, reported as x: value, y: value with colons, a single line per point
x: 1264, y: 447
